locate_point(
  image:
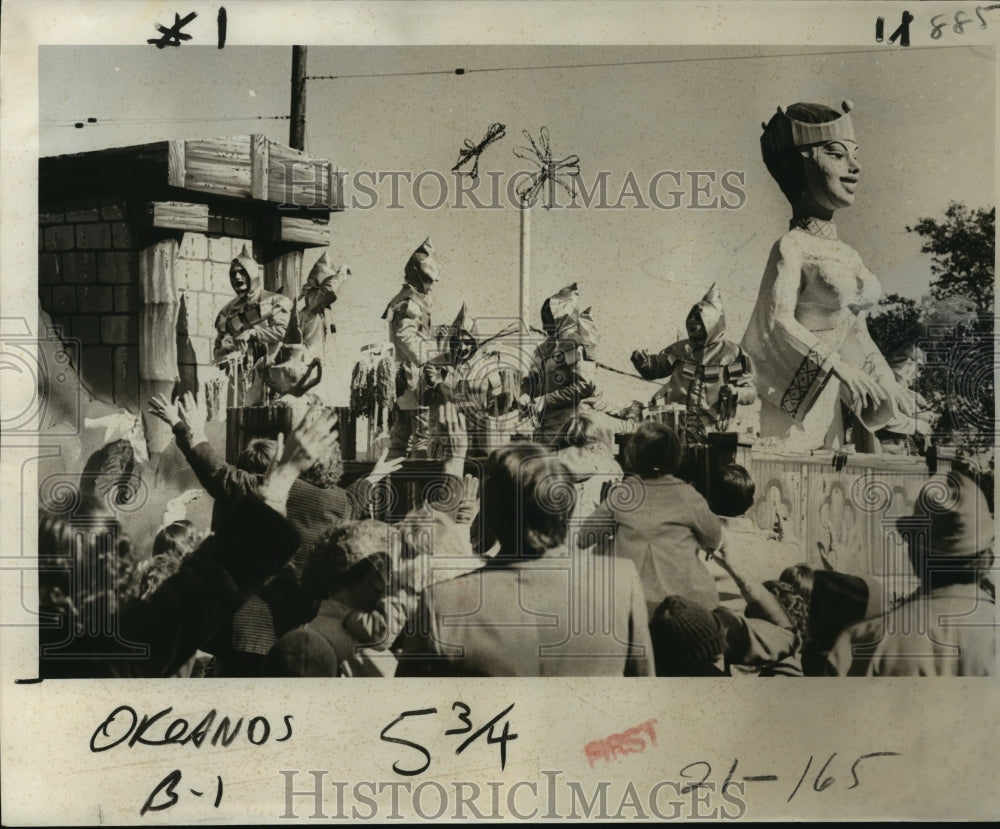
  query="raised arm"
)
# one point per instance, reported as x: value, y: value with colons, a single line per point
x: 654, y: 366
x: 583, y: 384
x: 272, y: 328
x: 186, y: 418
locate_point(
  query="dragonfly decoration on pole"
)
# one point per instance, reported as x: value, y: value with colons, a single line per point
x: 471, y: 152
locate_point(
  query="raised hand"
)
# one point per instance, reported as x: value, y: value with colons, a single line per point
x: 449, y: 437
x: 313, y: 438
x: 826, y: 552
x: 164, y: 409
x: 384, y: 468
x: 468, y: 508
x: 192, y: 412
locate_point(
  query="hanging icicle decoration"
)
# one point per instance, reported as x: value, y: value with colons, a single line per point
x: 551, y: 172
x: 373, y: 387
x: 471, y: 152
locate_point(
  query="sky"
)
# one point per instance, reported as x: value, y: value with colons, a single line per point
x: 925, y: 120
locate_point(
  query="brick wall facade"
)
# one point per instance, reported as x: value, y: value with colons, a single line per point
x: 86, y: 282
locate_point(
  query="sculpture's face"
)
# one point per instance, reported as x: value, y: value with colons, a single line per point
x: 239, y: 279
x: 832, y: 172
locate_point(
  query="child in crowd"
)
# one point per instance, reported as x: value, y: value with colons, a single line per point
x: 586, y: 447
x: 177, y: 539
x: 657, y: 521
x: 348, y: 570
x: 690, y: 640
x: 155, y: 571
x: 796, y: 608
x: 754, y: 551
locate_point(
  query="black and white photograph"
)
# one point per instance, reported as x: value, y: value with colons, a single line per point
x: 637, y: 357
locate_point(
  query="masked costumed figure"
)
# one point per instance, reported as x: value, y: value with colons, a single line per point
x: 562, y: 376
x: 445, y: 377
x: 808, y: 336
x: 250, y: 327
x: 708, y: 374
x: 322, y: 287
x: 412, y: 337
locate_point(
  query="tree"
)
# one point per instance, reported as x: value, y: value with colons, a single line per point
x: 962, y: 248
x: 949, y: 333
x: 893, y: 324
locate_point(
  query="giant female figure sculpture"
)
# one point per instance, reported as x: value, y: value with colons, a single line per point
x: 808, y: 336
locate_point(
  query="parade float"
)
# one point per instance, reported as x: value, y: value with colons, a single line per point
x: 138, y: 253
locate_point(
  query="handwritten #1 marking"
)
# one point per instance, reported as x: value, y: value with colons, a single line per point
x: 172, y: 36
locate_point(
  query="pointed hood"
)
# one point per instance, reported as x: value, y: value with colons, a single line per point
x: 462, y: 342
x: 559, y: 310
x: 324, y: 283
x: 712, y: 315
x: 293, y: 334
x: 463, y: 321
x: 246, y: 261
x: 422, y: 265
x: 586, y: 330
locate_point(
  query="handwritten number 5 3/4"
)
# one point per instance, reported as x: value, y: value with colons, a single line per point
x: 463, y: 713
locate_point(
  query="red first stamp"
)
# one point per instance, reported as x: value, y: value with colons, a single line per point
x: 631, y: 741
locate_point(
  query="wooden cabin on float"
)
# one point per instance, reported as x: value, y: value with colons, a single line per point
x: 135, y: 245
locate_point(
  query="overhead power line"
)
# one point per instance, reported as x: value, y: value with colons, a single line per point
x: 99, y: 122
x: 608, y: 64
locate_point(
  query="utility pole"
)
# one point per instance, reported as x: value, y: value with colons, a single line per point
x: 297, y: 128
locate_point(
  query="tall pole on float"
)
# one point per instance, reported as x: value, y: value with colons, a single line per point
x: 297, y: 125
x: 524, y: 285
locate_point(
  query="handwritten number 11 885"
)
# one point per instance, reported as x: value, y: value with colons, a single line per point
x: 959, y: 21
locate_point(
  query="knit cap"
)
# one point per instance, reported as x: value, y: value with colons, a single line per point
x: 685, y: 633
